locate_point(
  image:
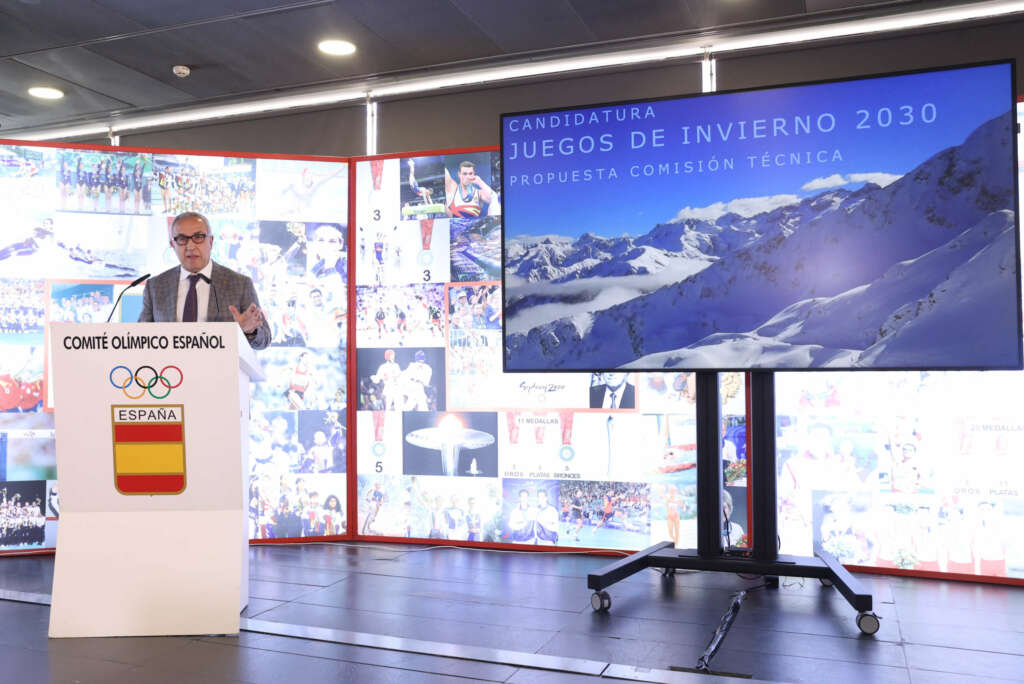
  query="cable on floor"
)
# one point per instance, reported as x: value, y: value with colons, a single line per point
x: 704, y: 662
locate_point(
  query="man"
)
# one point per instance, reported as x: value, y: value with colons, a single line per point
x: 546, y: 521
x: 181, y: 294
x: 522, y: 520
x: 455, y: 520
x: 576, y: 508
x: 322, y: 325
x: 474, y: 522
x: 388, y: 375
x: 416, y: 379
x: 468, y: 196
x: 607, y: 508
x: 613, y: 392
x: 374, y: 500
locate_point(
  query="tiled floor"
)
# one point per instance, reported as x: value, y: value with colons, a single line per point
x: 932, y: 632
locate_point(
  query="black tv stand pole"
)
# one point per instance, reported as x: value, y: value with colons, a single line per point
x: 764, y: 558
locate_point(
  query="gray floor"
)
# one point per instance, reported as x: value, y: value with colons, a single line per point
x: 932, y: 631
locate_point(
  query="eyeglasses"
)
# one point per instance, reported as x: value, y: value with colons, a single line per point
x: 197, y: 238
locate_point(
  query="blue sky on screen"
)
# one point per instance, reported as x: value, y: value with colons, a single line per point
x: 848, y: 143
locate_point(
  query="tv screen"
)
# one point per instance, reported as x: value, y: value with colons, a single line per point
x: 864, y: 223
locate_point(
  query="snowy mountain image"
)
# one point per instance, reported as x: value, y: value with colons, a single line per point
x: 920, y: 272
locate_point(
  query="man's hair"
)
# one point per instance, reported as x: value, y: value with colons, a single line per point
x: 185, y: 215
x: 467, y: 165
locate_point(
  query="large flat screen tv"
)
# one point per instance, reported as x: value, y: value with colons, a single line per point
x: 867, y: 223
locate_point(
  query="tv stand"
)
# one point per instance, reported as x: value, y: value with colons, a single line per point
x: 763, y: 558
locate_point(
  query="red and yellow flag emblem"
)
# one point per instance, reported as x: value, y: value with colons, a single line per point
x: 149, y: 448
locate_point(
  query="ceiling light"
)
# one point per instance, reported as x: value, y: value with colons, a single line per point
x: 336, y: 47
x: 46, y: 93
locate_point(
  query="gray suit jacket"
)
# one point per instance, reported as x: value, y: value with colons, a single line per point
x: 160, y: 299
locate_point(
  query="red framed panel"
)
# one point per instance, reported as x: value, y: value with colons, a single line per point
x: 117, y: 281
x: 352, y: 510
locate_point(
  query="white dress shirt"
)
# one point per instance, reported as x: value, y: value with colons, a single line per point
x: 202, y: 292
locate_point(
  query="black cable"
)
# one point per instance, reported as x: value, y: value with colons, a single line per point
x: 704, y: 662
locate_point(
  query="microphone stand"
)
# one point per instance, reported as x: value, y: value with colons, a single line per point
x: 118, y: 300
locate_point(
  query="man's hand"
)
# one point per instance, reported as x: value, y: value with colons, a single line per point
x: 249, y: 320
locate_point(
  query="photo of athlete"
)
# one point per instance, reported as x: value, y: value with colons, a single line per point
x: 430, y: 508
x: 289, y: 506
x: 467, y: 195
x: 95, y: 179
x: 301, y: 380
x: 528, y: 516
x: 404, y: 252
x: 423, y: 188
x: 387, y: 376
x: 300, y: 190
x: 21, y: 379
x: 399, y: 316
x: 22, y: 518
x: 30, y: 454
x: 43, y: 244
x: 22, y: 311
x: 416, y: 381
x: 322, y: 437
x: 401, y: 379
x: 613, y: 515
x: 375, y: 499
x: 207, y: 184
x: 546, y: 521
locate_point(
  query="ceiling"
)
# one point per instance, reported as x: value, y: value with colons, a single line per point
x: 114, y: 57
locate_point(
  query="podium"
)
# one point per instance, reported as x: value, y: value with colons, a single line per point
x: 152, y: 458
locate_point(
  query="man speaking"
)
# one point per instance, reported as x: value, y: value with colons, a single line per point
x: 201, y: 290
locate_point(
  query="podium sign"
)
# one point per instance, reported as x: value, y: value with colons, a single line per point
x: 152, y: 465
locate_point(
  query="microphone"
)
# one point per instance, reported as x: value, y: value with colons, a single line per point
x: 118, y: 300
x: 216, y: 299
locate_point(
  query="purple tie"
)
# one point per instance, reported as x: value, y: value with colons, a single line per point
x: 191, y: 313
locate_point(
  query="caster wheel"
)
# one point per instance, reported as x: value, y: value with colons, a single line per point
x: 825, y: 581
x: 601, y: 601
x: 668, y: 572
x: 868, y: 623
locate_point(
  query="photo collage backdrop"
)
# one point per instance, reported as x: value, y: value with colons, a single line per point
x: 913, y: 470
x: 83, y: 223
x: 449, y: 447
x: 918, y: 471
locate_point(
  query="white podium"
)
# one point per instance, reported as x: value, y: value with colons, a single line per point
x: 152, y: 458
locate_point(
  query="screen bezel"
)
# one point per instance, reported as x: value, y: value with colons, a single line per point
x: 1011, y: 62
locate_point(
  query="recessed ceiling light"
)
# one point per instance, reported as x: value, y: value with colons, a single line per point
x: 336, y: 47
x: 46, y: 93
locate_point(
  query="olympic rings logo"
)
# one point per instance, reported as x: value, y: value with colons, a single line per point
x: 146, y: 379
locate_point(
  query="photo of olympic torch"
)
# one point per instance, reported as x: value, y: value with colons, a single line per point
x: 450, y: 437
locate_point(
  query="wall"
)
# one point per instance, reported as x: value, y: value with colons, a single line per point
x: 470, y: 118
